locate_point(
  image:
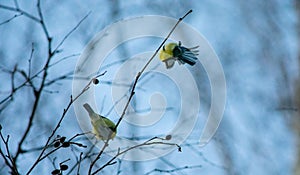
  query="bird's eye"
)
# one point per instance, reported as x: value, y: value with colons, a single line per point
x: 164, y: 48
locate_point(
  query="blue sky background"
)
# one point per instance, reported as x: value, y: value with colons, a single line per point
x: 257, y: 45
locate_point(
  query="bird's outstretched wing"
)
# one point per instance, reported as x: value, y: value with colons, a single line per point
x: 185, y: 55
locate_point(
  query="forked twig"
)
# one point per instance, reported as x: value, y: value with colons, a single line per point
x: 132, y: 92
x: 146, y: 143
x: 72, y: 100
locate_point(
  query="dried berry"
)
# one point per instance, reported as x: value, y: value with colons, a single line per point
x: 56, y: 144
x: 95, y: 81
x: 56, y: 172
x: 168, y: 137
x: 66, y: 144
x: 62, y: 139
x: 63, y: 167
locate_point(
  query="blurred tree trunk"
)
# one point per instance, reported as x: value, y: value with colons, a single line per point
x: 297, y: 95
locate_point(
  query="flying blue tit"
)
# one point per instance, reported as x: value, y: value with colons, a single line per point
x: 172, y: 52
x: 102, y: 126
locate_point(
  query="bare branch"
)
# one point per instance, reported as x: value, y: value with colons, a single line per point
x: 64, y: 58
x: 67, y: 35
x: 16, y: 3
x: 59, y: 122
x: 79, y: 162
x: 28, y: 79
x: 133, y: 92
x: 146, y: 65
x: 42, y: 22
x: 146, y: 143
x: 10, y: 19
x: 173, y: 170
x: 29, y: 60
x: 9, y: 161
x: 17, y: 9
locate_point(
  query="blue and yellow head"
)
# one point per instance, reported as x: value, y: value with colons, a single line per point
x: 167, y: 51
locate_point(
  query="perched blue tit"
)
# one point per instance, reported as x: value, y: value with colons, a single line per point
x: 172, y: 52
x: 102, y: 126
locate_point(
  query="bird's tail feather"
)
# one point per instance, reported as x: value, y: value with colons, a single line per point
x: 188, y: 55
x: 188, y: 58
x: 88, y: 108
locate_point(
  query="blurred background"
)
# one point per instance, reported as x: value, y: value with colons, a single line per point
x: 258, y: 46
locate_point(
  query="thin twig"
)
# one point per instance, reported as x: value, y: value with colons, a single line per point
x: 8, y: 158
x: 79, y: 162
x: 173, y: 170
x: 195, y: 149
x: 61, y: 77
x: 132, y: 92
x: 146, y: 143
x: 17, y: 9
x: 87, y: 155
x: 42, y: 22
x: 64, y: 58
x: 30, y: 59
x: 37, y: 93
x: 59, y: 122
x: 28, y: 80
x: 143, y: 69
x: 10, y: 19
x: 61, y: 146
x: 49, y: 39
x: 73, y: 29
x: 16, y: 3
